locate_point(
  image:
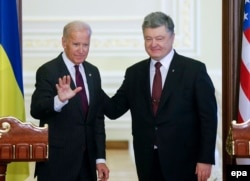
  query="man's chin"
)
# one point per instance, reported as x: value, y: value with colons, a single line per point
x: 156, y: 57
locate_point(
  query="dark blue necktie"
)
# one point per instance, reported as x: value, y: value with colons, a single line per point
x: 80, y: 83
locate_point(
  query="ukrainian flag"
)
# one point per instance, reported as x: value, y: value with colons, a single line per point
x: 11, y: 83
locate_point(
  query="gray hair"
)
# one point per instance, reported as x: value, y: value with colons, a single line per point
x: 157, y: 19
x: 76, y: 26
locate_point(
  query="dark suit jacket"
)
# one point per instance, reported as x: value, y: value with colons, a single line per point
x: 70, y: 135
x: 185, y: 125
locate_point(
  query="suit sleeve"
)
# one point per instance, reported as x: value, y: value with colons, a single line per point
x: 207, y: 110
x: 42, y: 100
x: 100, y: 135
x: 117, y: 105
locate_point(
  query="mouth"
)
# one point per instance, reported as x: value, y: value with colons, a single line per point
x: 155, y: 50
x: 80, y: 56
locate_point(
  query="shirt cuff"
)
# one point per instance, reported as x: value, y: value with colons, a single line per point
x: 100, y: 160
x: 58, y: 105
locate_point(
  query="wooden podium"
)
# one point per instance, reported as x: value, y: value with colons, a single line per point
x: 21, y: 142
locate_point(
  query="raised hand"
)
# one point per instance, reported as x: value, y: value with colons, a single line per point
x: 64, y: 90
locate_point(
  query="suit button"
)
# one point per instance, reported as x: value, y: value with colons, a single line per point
x: 156, y: 128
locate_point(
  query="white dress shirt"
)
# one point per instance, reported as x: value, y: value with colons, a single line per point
x: 165, y: 61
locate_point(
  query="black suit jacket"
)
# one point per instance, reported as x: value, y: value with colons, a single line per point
x: 70, y: 134
x: 186, y: 122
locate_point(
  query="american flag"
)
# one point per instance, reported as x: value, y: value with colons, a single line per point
x: 244, y: 90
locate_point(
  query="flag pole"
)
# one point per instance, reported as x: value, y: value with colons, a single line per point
x: 20, y: 27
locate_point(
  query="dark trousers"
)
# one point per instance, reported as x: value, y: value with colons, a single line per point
x: 44, y: 173
x: 85, y: 173
x: 157, y: 170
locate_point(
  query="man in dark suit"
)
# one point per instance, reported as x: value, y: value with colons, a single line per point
x: 76, y: 130
x: 174, y: 127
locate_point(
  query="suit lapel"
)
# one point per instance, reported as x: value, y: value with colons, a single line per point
x: 172, y: 79
x: 144, y: 81
x: 64, y: 71
x: 89, y: 77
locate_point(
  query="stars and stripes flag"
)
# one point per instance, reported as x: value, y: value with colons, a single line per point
x: 244, y: 88
x: 11, y: 80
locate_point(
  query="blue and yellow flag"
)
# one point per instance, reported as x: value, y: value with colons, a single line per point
x: 11, y: 79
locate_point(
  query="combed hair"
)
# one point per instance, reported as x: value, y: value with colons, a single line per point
x: 157, y: 19
x: 75, y: 26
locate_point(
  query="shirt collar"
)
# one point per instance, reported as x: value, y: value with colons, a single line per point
x: 165, y: 61
x: 69, y: 63
x: 66, y: 60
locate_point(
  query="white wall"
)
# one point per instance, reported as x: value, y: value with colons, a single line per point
x: 117, y: 42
